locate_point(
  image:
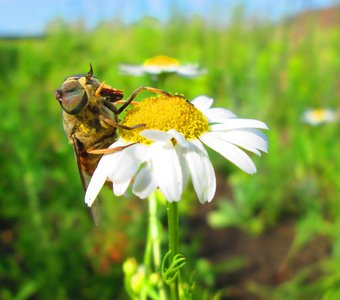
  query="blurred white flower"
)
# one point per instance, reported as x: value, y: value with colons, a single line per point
x: 169, y: 149
x: 162, y: 65
x: 319, y: 116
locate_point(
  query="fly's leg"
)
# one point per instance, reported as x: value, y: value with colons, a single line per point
x: 108, y: 92
x: 108, y: 150
x: 99, y: 89
x: 139, y: 90
x: 117, y: 111
x: 114, y: 124
x: 117, y: 125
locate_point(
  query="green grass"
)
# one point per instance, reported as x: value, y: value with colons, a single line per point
x: 49, y: 248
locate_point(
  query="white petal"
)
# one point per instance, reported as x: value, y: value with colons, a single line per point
x: 100, y: 175
x: 218, y: 115
x: 203, y: 103
x: 249, y: 139
x: 230, y: 152
x: 131, y: 69
x: 179, y: 138
x: 154, y: 70
x: 144, y: 184
x: 167, y: 170
x: 190, y: 71
x: 156, y: 135
x: 202, y: 171
x: 127, y: 162
x: 238, y: 124
x: 181, y: 156
x: 119, y: 188
x: 96, y: 183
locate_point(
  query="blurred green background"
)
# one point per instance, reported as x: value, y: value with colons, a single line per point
x: 271, y: 71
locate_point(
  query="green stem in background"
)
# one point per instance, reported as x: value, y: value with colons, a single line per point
x: 155, y: 231
x: 173, y: 243
x: 152, y: 250
x: 152, y: 256
x: 148, y: 250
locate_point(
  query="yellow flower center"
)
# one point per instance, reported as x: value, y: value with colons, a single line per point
x: 318, y: 114
x: 164, y: 113
x: 161, y: 61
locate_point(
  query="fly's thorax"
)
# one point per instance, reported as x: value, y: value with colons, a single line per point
x: 88, y: 127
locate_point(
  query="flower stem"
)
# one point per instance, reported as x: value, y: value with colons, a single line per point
x: 153, y: 243
x: 173, y: 243
x: 152, y: 250
x: 154, y: 231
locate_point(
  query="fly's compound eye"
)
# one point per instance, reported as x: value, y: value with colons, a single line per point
x: 72, y: 97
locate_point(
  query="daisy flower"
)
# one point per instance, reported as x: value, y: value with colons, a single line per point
x: 169, y: 149
x: 162, y: 64
x: 319, y: 116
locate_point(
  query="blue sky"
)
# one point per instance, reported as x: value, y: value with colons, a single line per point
x: 20, y: 17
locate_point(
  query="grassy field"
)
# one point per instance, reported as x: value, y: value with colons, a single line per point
x: 272, y: 72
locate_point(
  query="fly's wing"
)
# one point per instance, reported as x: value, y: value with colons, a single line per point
x: 94, y: 209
